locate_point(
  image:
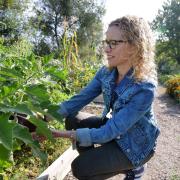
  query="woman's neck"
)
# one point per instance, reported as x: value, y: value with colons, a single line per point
x: 122, y: 70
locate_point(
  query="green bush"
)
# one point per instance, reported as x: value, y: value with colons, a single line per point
x: 173, y: 87
x: 163, y: 78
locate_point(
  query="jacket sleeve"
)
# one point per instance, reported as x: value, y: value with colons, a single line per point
x: 120, y: 122
x: 77, y: 102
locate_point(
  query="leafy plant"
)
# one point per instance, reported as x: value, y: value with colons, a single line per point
x: 26, y: 83
x: 31, y: 85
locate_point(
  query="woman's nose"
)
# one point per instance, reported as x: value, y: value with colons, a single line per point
x: 107, y: 49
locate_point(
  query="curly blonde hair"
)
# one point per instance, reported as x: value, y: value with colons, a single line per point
x: 138, y: 33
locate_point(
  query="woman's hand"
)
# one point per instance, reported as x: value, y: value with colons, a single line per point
x: 56, y: 134
x: 37, y: 137
x: 64, y: 134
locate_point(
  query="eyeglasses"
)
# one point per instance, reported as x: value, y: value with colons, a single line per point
x: 112, y: 43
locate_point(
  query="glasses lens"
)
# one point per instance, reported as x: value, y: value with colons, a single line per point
x: 112, y: 43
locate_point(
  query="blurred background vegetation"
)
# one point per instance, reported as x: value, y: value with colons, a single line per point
x: 52, y: 46
x: 167, y: 26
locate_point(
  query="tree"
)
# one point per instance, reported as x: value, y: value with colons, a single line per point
x: 167, y: 23
x: 12, y: 20
x: 54, y: 18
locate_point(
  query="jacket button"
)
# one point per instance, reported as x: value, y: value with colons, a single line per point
x: 128, y: 150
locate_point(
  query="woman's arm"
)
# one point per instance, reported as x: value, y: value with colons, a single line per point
x: 120, y: 122
x: 86, y: 95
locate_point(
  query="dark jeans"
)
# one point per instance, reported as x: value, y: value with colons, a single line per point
x: 100, y: 162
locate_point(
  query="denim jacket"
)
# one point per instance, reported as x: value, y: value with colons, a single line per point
x: 132, y: 125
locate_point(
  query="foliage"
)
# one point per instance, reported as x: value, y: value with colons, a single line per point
x: 166, y: 64
x: 13, y: 21
x: 30, y: 84
x: 26, y: 166
x: 173, y: 87
x: 167, y: 25
x: 80, y: 71
x: 26, y: 84
x: 163, y: 78
x: 55, y: 18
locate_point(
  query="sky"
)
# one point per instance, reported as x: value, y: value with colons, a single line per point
x: 148, y: 9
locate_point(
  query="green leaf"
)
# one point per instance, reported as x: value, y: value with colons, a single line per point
x: 23, y: 134
x: 38, y: 153
x: 17, y: 144
x: 39, y: 91
x: 20, y: 108
x: 62, y: 75
x: 4, y: 164
x: 6, y: 128
x: 52, y: 111
x: 23, y: 108
x: 8, y: 89
x: 4, y: 108
x: 5, y: 154
x: 42, y: 127
x: 46, y: 59
x: 10, y: 72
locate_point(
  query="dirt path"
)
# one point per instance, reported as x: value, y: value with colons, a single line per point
x: 165, y: 165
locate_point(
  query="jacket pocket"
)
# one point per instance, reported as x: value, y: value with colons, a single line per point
x: 139, y: 136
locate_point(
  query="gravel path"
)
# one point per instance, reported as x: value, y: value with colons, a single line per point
x: 165, y: 165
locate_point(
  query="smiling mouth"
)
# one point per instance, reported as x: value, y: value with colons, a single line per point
x: 110, y: 57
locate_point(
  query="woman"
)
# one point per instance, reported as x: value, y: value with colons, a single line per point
x: 128, y: 137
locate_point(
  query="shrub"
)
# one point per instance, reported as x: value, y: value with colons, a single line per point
x: 173, y: 87
x: 163, y: 78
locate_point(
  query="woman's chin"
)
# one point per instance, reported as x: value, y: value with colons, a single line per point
x: 111, y: 65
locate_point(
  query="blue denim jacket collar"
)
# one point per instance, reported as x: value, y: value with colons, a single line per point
x: 125, y: 82
x: 122, y: 86
x: 110, y: 85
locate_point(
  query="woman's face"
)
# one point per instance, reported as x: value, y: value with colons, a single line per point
x: 120, y: 52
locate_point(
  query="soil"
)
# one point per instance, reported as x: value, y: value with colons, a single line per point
x: 165, y: 165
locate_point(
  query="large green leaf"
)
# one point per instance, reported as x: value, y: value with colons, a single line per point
x: 6, y: 128
x: 52, y: 111
x: 48, y: 109
x: 20, y: 108
x: 23, y: 108
x: 39, y: 91
x: 23, y: 134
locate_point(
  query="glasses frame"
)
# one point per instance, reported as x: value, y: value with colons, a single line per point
x: 112, y: 46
